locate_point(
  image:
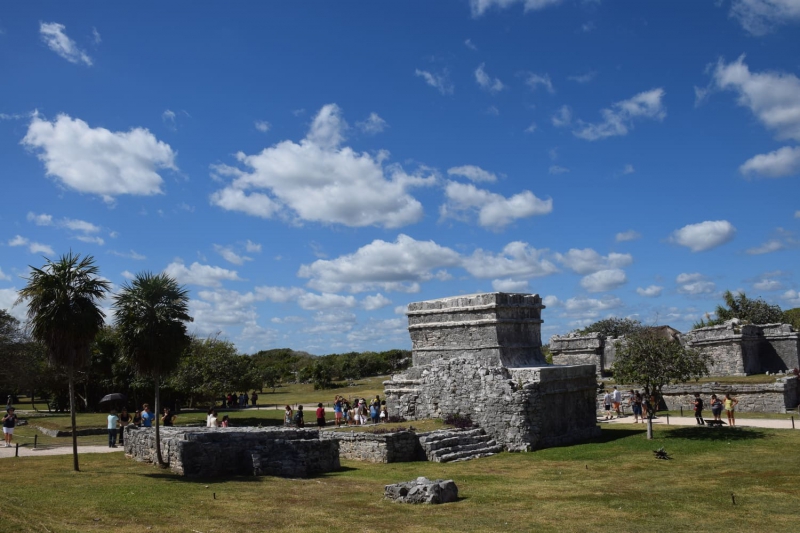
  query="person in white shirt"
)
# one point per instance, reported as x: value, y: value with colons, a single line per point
x: 617, y: 399
x: 607, y: 405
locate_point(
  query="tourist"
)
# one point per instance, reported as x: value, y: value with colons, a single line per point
x: 320, y: 415
x: 384, y: 416
x: 229, y: 400
x: 113, y: 422
x: 243, y: 401
x: 652, y: 405
x: 716, y: 408
x: 9, y: 402
x: 124, y: 420
x: 137, y: 419
x: 645, y: 406
x: 346, y: 411
x: 351, y: 412
x: 211, y: 420
x: 254, y: 399
x: 9, y: 423
x: 226, y: 422
x: 337, y: 410
x: 287, y: 416
x: 698, y: 409
x: 168, y: 419
x: 607, y: 405
x: 616, y: 398
x: 374, y: 410
x: 730, y: 406
x: 299, y: 421
x: 147, y: 416
x: 362, y: 412
x: 637, y: 407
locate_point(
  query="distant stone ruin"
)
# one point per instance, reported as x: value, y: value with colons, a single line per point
x: 480, y: 355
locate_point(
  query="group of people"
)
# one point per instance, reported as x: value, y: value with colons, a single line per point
x: 345, y: 412
x: 232, y: 400
x: 141, y: 418
x: 640, y: 405
x: 213, y: 420
x: 728, y: 403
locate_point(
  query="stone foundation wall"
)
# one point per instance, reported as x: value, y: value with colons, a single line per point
x: 397, y: 447
x: 780, y: 348
x: 209, y: 452
x: 734, y: 348
x: 579, y: 350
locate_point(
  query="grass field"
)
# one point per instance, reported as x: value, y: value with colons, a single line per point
x: 612, y: 484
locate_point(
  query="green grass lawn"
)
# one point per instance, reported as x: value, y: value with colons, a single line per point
x: 612, y: 484
x: 304, y: 393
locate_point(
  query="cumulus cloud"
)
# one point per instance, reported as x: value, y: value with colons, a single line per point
x: 379, y: 330
x: 469, y: 44
x: 319, y: 180
x: 99, y: 161
x: 229, y: 255
x: 42, y: 219
x: 517, y: 260
x: 792, y: 297
x: 262, y: 125
x: 473, y: 173
x: 252, y: 247
x: 390, y: 266
x: 651, y: 291
x: 694, y: 284
x: 55, y: 37
x: 8, y: 297
x: 373, y: 124
x: 539, y: 80
x: 486, y: 82
x: 619, y: 118
x: 704, y: 235
x: 203, y: 275
x: 510, y: 285
x: 760, y: 17
x: 772, y: 245
x: 132, y: 254
x: 782, y: 162
x: 590, y: 307
x: 439, y: 81
x: 4, y: 276
x: 768, y: 285
x: 375, y: 301
x: 494, y: 211
x: 604, y: 280
x: 583, y: 78
x: 315, y: 302
x: 587, y: 261
x: 33, y: 247
x: 630, y: 235
x: 84, y: 228
x: 479, y: 7
x: 562, y: 117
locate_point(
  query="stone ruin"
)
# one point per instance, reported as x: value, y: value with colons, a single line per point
x: 480, y: 355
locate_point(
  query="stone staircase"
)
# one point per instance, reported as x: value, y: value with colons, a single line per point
x: 447, y: 445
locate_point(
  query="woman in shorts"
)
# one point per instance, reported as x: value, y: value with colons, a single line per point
x: 287, y: 416
x: 730, y: 406
x: 637, y: 408
x: 716, y: 408
x: 9, y: 423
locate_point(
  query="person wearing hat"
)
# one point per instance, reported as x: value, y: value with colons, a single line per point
x: 9, y: 423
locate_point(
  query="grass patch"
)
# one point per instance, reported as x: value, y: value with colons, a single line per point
x: 419, y: 426
x: 304, y: 393
x: 611, y: 483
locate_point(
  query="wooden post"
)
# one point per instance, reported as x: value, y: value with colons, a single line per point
x: 17, y: 451
x: 35, y: 440
x: 667, y: 418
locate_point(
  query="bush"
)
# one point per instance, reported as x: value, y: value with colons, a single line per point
x: 458, y: 420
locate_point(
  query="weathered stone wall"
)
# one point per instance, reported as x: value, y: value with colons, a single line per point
x: 579, y: 350
x: 208, y: 452
x: 734, y: 348
x: 776, y: 397
x: 780, y: 348
x: 397, y: 447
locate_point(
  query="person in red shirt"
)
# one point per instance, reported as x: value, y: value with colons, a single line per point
x: 320, y: 415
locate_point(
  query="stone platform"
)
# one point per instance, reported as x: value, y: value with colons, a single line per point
x: 480, y: 355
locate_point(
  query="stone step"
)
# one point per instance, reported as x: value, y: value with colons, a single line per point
x: 442, y: 434
x: 484, y: 443
x: 466, y: 455
x: 456, y: 441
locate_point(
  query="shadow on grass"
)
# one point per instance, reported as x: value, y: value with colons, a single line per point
x: 255, y: 422
x: 165, y: 475
x: 716, y: 434
x: 610, y: 435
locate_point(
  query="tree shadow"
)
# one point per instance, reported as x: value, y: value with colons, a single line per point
x: 172, y: 477
x: 610, y: 435
x: 711, y: 434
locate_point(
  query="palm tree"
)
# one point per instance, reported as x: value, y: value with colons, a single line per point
x: 151, y: 313
x: 63, y: 315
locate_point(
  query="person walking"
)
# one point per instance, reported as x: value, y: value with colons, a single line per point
x: 716, y: 408
x: 299, y: 417
x: 9, y: 423
x: 147, y: 416
x: 637, y: 407
x: 124, y: 420
x: 287, y: 416
x: 113, y: 423
x: 337, y: 410
x: 616, y: 398
x: 607, y: 405
x: 730, y: 406
x: 698, y: 409
x: 253, y: 399
x: 211, y: 420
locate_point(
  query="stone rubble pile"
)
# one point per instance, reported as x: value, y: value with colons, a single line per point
x: 423, y: 490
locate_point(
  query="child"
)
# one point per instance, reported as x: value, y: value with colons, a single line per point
x: 384, y: 412
x: 320, y: 415
x: 226, y: 423
x: 607, y: 405
x: 298, y: 417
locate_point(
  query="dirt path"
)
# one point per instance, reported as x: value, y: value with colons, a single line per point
x: 690, y: 421
x: 27, y: 451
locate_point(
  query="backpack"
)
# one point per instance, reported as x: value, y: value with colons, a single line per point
x: 298, y: 416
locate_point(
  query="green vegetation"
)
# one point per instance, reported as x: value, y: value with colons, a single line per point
x: 613, y: 483
x: 613, y: 327
x: 792, y: 316
x: 745, y: 309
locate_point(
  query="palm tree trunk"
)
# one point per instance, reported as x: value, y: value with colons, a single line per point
x: 158, y: 417
x: 72, y: 415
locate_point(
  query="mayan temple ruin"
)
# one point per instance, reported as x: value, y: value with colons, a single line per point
x: 480, y: 355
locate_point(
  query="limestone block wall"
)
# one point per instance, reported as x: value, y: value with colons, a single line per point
x: 579, y: 350
x: 397, y: 447
x: 208, y: 452
x: 734, y: 348
x: 779, y: 349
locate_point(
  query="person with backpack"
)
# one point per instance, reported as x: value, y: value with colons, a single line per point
x: 298, y: 417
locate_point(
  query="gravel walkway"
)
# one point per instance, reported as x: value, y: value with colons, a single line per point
x: 28, y: 451
x: 690, y: 421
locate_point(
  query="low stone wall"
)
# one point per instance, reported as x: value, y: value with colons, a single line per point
x: 68, y: 432
x: 397, y: 447
x: 778, y: 397
x: 579, y: 350
x: 209, y: 452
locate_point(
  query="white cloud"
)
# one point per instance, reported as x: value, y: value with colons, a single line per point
x: 535, y: 80
x: 551, y: 301
x: 619, y: 118
x: 252, y: 247
x: 782, y: 162
x: 583, y: 78
x: 694, y: 284
x: 91, y: 239
x: 54, y: 36
x: 262, y: 125
x: 230, y: 256
x: 760, y: 17
x: 40, y: 220
x: 439, y: 81
x: 531, y: 128
x: 325, y: 300
x: 8, y: 297
x: 792, y: 297
x: 555, y: 169
x: 33, y: 247
x: 203, y: 275
x: 287, y: 320
x: 517, y: 260
x: 379, y: 330
x: 129, y: 255
x: 494, y: 211
x: 127, y: 274
x: 4, y: 276
x: 400, y: 309
x: 628, y: 169
x: 469, y: 44
x: 391, y: 266
x: 168, y: 118
x: 373, y: 125
x: 510, y: 285
x: 604, y: 280
x: 562, y: 117
x: 630, y: 235
x: 704, y: 235
x: 590, y: 307
x: 473, y: 173
x: 479, y: 7
x: 492, y: 110
x: 317, y: 180
x: 772, y: 245
x: 98, y: 161
x: 773, y: 97
x: 587, y: 261
x: 797, y: 214
x: 486, y: 82
x: 96, y: 38
x: 374, y: 302
x: 651, y: 291
x: 768, y: 285
x: 79, y: 225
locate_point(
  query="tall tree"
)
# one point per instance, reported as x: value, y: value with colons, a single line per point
x: 151, y: 315
x: 745, y: 309
x: 63, y: 314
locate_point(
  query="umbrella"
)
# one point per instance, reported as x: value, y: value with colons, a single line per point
x: 112, y: 397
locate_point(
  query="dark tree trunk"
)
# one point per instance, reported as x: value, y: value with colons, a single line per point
x: 72, y: 415
x: 160, y: 459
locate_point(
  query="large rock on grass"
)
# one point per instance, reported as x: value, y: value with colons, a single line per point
x: 423, y: 490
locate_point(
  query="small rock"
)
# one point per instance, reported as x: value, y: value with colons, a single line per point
x: 423, y: 490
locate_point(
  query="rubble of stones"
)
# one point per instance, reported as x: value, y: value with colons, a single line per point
x: 423, y: 490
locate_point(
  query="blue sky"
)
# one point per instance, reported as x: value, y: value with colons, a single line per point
x: 309, y: 169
